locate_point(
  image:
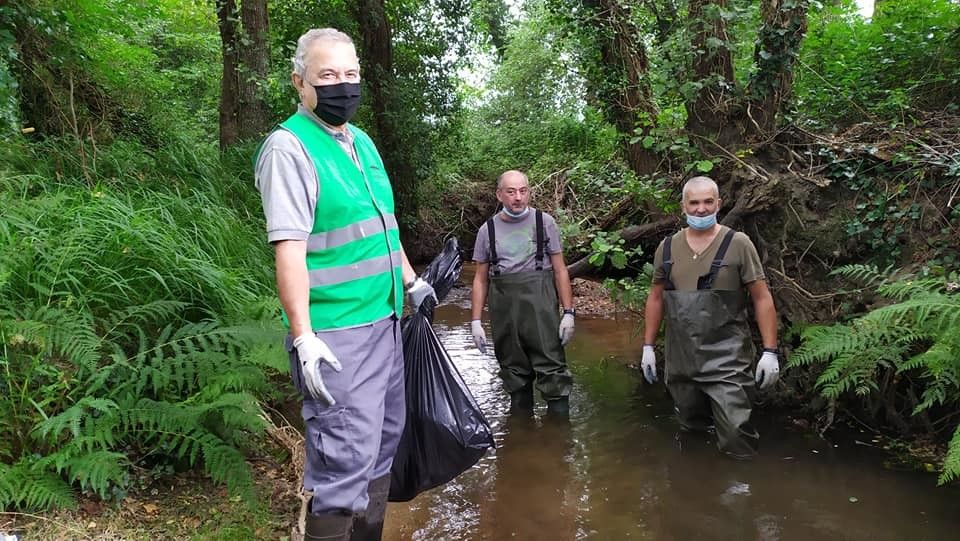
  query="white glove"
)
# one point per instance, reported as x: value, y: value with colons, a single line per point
x: 566, y: 329
x: 648, y: 363
x: 479, y: 337
x: 419, y: 291
x: 768, y: 370
x: 312, y: 351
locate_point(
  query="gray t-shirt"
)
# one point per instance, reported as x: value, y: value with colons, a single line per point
x: 517, y: 243
x: 288, y: 182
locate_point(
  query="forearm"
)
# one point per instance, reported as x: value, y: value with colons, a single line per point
x: 407, y: 271
x: 766, y: 314
x: 293, y: 284
x: 653, y: 315
x: 564, y: 290
x: 478, y: 296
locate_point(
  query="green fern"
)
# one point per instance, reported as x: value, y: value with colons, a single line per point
x: 951, y: 465
x: 24, y: 486
x: 918, y: 332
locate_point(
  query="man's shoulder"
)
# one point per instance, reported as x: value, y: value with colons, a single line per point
x: 282, y: 140
x: 739, y: 237
x: 547, y: 217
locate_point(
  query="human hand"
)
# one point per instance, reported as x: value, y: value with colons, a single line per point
x: 312, y: 351
x: 479, y: 336
x: 566, y: 328
x: 768, y: 370
x: 648, y: 363
x: 419, y: 292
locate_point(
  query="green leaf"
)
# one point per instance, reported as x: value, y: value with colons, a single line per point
x: 704, y: 166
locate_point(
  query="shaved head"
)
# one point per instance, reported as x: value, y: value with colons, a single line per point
x: 699, y: 183
x: 512, y: 174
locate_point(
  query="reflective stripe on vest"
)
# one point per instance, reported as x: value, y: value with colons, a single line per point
x: 356, y: 231
x: 353, y: 251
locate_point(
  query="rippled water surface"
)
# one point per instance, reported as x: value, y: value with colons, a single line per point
x: 619, y: 471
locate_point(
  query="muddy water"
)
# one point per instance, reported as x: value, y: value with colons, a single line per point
x: 618, y: 469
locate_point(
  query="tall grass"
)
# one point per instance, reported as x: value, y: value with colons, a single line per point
x: 137, y: 320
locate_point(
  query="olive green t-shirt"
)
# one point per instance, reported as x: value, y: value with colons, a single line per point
x: 741, y: 265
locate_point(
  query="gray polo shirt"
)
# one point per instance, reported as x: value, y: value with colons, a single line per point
x: 288, y: 182
x: 517, y: 243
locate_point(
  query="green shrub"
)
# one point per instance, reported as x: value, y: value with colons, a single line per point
x: 852, y: 69
x: 917, y: 334
x: 138, y: 327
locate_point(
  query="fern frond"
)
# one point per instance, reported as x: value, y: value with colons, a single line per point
x: 909, y: 287
x: 26, y: 486
x: 73, y: 416
x: 865, y: 275
x: 137, y: 316
x: 951, y: 464
x: 943, y: 309
x: 99, y: 471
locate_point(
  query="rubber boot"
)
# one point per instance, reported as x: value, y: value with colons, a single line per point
x: 559, y: 407
x: 328, y: 527
x: 521, y: 400
x: 368, y: 526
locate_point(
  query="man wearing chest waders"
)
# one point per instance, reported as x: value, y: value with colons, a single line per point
x: 341, y: 273
x: 520, y: 271
x: 701, y: 279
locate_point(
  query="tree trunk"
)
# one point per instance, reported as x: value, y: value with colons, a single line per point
x: 377, y: 67
x: 229, y: 91
x: 778, y: 45
x: 628, y: 99
x: 666, y: 17
x: 254, y: 113
x: 653, y: 231
x: 709, y: 112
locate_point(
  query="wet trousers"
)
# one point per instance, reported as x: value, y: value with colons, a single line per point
x: 708, y: 366
x: 525, y: 319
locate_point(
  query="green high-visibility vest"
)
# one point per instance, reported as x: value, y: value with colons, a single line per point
x: 353, y: 252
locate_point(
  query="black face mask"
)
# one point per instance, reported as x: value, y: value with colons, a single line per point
x: 337, y: 103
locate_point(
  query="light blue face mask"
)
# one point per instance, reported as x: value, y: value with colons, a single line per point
x: 518, y: 215
x: 702, y: 222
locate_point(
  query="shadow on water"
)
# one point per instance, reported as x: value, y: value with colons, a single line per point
x: 620, y: 470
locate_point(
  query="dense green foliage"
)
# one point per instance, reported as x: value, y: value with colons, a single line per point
x: 916, y: 337
x: 131, y: 321
x: 138, y: 323
x: 907, y: 56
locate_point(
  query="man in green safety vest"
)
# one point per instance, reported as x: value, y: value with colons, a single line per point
x: 341, y: 274
x: 520, y: 272
x: 702, y: 275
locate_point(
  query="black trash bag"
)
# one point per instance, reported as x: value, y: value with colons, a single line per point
x: 442, y: 273
x: 445, y: 432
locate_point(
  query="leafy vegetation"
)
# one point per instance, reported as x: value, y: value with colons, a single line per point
x: 138, y: 323
x: 916, y: 339
x: 903, y: 59
x: 132, y: 329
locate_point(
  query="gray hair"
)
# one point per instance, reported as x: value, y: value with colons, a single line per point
x: 700, y: 181
x: 315, y: 34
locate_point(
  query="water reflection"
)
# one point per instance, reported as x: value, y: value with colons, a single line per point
x: 533, y: 467
x: 619, y: 469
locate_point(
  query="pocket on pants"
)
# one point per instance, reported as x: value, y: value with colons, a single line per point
x: 331, y: 439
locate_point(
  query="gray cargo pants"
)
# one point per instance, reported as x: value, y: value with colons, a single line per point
x: 353, y: 442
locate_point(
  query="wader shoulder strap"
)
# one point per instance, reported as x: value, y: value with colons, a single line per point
x: 706, y: 281
x: 667, y: 263
x: 494, y: 260
x: 540, y: 240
